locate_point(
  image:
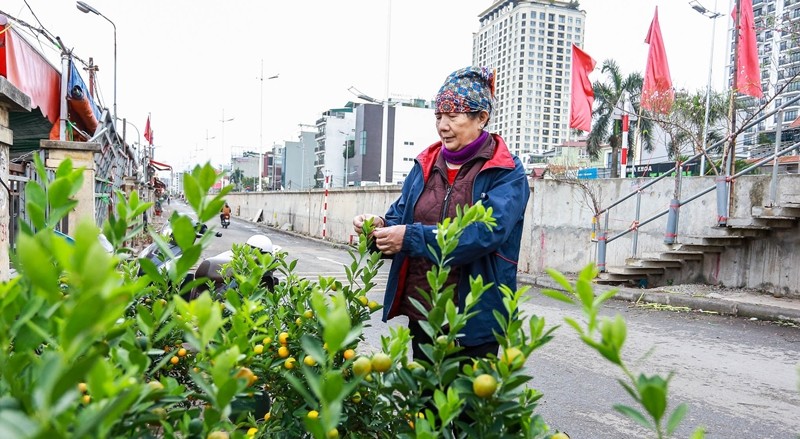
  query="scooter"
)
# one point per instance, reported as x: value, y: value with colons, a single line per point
x: 225, y: 220
x: 211, y: 269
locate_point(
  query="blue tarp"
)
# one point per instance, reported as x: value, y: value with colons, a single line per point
x: 76, y: 80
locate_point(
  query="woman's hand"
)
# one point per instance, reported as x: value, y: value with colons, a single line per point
x: 358, y: 221
x: 389, y: 240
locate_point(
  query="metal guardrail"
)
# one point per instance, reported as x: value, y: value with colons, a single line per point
x: 722, y: 184
x: 19, y: 175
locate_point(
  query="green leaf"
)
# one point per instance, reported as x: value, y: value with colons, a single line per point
x: 183, y: 230
x: 589, y: 272
x: 634, y: 415
x: 585, y: 292
x: 35, y: 202
x: 574, y: 323
x: 676, y: 417
x: 226, y: 393
x: 187, y: 260
x: 558, y: 295
x: 604, y: 296
x: 700, y: 433
x: 653, y: 391
x: 35, y: 262
x: 561, y: 279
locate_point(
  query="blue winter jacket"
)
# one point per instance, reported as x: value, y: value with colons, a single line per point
x: 502, y: 185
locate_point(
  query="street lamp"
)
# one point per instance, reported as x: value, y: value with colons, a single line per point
x: 347, y: 154
x: 712, y: 15
x: 207, y: 139
x: 261, y: 128
x: 125, y: 123
x: 222, y: 140
x: 85, y: 8
x: 385, y: 140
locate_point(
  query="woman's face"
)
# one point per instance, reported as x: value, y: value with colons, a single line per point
x: 458, y: 130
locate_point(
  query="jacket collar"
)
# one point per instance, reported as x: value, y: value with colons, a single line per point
x: 499, y: 158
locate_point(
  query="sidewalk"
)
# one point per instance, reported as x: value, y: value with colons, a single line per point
x: 740, y: 302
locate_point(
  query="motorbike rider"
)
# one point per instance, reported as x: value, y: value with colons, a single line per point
x: 226, y: 212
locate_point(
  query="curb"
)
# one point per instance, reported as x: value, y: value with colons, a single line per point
x: 695, y: 303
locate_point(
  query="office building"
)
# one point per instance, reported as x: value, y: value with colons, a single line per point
x: 334, y: 129
x: 411, y: 129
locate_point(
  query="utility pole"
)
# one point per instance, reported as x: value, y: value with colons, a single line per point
x: 261, y: 130
x: 724, y: 186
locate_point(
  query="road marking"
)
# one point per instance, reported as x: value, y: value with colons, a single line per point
x: 331, y: 260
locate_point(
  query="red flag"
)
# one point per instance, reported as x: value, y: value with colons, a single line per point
x: 657, y: 93
x: 582, y: 98
x: 148, y: 132
x: 748, y: 77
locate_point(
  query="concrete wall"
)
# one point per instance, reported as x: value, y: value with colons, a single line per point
x: 11, y: 99
x: 559, y: 225
x: 82, y: 155
x: 6, y: 140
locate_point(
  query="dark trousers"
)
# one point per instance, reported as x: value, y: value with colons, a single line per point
x: 420, y: 337
x: 478, y: 351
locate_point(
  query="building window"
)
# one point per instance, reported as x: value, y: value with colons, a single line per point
x: 363, y: 143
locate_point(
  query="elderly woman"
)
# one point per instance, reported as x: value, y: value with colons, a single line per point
x: 468, y: 164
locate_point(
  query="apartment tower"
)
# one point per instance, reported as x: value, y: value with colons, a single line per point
x: 528, y: 43
x: 778, y: 41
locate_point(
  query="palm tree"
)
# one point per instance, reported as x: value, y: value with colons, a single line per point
x: 606, y: 129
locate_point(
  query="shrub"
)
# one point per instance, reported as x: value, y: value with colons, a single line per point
x: 92, y: 349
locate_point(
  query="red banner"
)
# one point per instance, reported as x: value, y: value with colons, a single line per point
x: 748, y: 75
x: 582, y: 98
x: 657, y: 93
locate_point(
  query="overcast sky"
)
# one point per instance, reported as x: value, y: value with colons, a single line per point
x: 185, y: 62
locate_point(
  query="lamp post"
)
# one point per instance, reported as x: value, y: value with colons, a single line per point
x: 385, y: 139
x: 222, y: 139
x: 712, y: 15
x: 125, y: 123
x: 261, y: 128
x: 207, y: 139
x: 85, y: 8
x: 346, y: 155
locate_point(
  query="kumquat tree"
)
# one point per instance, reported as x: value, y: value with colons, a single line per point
x: 101, y: 344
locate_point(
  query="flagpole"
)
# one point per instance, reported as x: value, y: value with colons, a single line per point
x: 724, y: 186
x: 734, y: 87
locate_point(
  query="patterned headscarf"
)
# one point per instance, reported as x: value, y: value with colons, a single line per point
x: 467, y: 90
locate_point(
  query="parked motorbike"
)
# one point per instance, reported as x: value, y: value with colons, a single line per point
x: 211, y: 269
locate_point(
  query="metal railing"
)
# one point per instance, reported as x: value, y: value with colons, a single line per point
x: 20, y: 172
x: 722, y: 184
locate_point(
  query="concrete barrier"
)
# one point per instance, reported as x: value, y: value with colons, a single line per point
x: 559, y: 225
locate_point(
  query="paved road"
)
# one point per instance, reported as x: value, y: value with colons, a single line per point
x: 740, y: 378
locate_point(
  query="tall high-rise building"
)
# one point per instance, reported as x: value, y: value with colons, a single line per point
x: 778, y: 42
x: 528, y: 43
